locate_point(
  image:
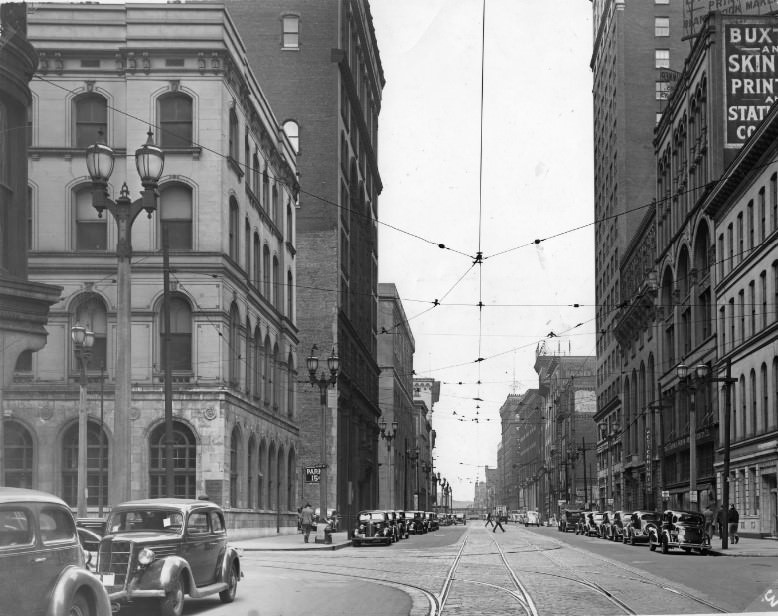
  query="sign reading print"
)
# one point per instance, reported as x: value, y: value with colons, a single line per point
x: 749, y: 76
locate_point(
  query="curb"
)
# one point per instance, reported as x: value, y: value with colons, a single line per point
x: 320, y: 547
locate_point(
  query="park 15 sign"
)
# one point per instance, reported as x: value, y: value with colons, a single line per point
x: 751, y: 51
x: 312, y: 474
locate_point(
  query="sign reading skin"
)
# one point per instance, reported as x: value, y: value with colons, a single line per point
x: 750, y: 79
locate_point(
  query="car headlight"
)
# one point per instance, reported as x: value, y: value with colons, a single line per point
x: 145, y: 557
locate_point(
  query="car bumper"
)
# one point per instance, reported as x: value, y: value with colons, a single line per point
x: 374, y: 539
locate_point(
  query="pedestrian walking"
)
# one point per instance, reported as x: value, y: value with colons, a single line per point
x: 498, y: 522
x: 306, y: 519
x: 489, y: 519
x: 299, y: 519
x: 707, y: 514
x: 733, y: 519
x: 721, y: 520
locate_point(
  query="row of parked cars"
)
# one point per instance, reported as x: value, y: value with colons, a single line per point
x: 387, y: 527
x: 664, y: 530
x: 155, y: 549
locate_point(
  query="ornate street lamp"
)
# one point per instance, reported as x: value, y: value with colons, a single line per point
x: 323, y: 382
x: 149, y: 162
x: 689, y: 383
x: 83, y: 340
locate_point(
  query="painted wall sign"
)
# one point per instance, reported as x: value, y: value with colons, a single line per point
x: 695, y: 11
x: 750, y: 79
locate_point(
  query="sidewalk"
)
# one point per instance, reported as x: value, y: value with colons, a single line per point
x: 747, y: 546
x: 291, y: 542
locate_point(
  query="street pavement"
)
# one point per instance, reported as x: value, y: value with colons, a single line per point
x: 747, y: 546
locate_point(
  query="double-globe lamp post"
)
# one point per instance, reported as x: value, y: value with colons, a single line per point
x: 83, y: 340
x: 323, y: 382
x: 702, y: 373
x: 149, y: 162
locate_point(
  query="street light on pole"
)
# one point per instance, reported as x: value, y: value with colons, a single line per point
x: 689, y: 383
x: 149, y: 162
x: 83, y: 340
x: 323, y: 382
x: 389, y: 437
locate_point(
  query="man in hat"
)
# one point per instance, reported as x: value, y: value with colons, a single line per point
x: 733, y: 519
x: 306, y: 520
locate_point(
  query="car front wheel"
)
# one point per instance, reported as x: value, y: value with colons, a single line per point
x: 79, y: 607
x: 665, y: 547
x: 228, y: 594
x: 173, y: 602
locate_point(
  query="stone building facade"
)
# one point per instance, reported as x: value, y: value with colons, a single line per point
x: 228, y: 199
x: 319, y: 62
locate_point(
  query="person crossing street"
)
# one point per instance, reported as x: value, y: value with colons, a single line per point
x: 489, y: 519
x: 498, y: 522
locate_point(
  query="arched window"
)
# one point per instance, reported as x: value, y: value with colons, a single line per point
x: 276, y: 385
x: 263, y: 473
x: 289, y: 224
x: 235, y: 467
x: 184, y: 466
x: 289, y: 296
x: 91, y: 117
x: 272, y: 477
x: 249, y: 361
x: 257, y: 376
x: 91, y: 231
x: 281, y: 486
x: 266, y: 375
x: 257, y: 270
x: 274, y: 213
x: 290, y: 475
x: 751, y: 430
x: 175, y: 215
x: 180, y: 339
x: 91, y: 313
x: 255, y: 175
x: 234, y: 350
x: 19, y: 455
x: 251, y: 475
x: 233, y: 231
x: 292, y: 131
x: 266, y: 189
x: 96, y: 465
x: 234, y: 138
x: 175, y: 121
x: 765, y: 410
x: 292, y: 378
x: 247, y: 247
x: 277, y: 288
x: 266, y: 272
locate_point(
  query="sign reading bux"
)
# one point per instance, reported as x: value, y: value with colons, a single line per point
x: 749, y: 77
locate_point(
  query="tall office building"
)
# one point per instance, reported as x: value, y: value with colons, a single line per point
x: 638, y: 46
x: 320, y: 67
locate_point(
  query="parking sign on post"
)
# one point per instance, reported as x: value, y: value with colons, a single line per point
x: 312, y: 474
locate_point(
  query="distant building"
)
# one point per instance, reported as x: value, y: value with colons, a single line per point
x: 426, y: 393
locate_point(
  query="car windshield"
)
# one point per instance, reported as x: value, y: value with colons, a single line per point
x: 371, y: 516
x: 651, y: 517
x: 140, y: 520
x: 689, y: 518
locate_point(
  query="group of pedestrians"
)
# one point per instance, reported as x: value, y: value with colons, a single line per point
x: 495, y: 521
x: 732, y: 519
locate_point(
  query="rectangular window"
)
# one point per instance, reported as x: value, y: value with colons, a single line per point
x: 662, y: 58
x: 763, y: 297
x: 661, y: 1
x: 774, y: 202
x: 752, y: 307
x: 291, y: 33
x: 740, y: 247
x: 750, y: 224
x: 662, y: 90
x: 661, y: 26
x: 762, y: 215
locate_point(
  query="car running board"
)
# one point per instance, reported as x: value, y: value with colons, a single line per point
x: 205, y: 591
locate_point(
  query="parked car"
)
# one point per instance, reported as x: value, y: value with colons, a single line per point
x: 592, y: 521
x: 604, y: 525
x: 680, y: 529
x: 393, y: 523
x: 402, y: 524
x: 460, y: 518
x: 164, y: 548
x: 532, y: 518
x: 372, y: 527
x: 90, y: 542
x: 414, y: 524
x: 616, y: 530
x: 433, y: 523
x: 42, y: 562
x: 568, y: 519
x: 639, y: 524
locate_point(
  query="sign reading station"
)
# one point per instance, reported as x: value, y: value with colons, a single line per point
x: 751, y: 55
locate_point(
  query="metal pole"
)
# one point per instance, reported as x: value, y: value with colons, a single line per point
x: 692, y: 450
x: 102, y: 440
x: 323, y: 384
x: 82, y: 442
x: 586, y: 485
x: 169, y: 461
x: 725, y: 479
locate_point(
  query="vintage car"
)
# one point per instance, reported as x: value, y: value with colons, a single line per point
x: 532, y: 518
x: 433, y: 523
x: 638, y: 525
x: 616, y: 527
x: 164, y: 548
x: 42, y: 562
x: 395, y: 524
x: 604, y: 525
x: 591, y: 524
x: 568, y: 519
x: 420, y: 524
x: 680, y: 529
x: 402, y: 524
x: 460, y: 518
x: 373, y: 527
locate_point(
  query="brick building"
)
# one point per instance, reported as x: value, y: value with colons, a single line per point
x: 227, y: 198
x: 319, y: 64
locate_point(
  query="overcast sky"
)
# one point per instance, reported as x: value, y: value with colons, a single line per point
x: 532, y: 180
